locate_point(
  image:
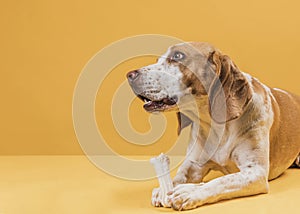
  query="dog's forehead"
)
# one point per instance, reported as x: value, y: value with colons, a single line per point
x: 193, y: 48
x: 190, y: 49
x: 202, y: 48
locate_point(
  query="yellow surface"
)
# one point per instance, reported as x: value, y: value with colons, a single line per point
x: 71, y: 184
x: 45, y: 44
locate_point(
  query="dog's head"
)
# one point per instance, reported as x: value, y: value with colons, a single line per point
x: 196, y: 69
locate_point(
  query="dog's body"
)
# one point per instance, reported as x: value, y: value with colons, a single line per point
x: 240, y: 126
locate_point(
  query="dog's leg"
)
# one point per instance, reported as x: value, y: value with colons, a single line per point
x: 190, y: 172
x: 193, y: 169
x: 252, y: 179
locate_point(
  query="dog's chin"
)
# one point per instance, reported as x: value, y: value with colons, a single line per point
x: 165, y: 104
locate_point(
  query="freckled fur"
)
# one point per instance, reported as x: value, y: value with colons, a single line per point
x: 256, y: 140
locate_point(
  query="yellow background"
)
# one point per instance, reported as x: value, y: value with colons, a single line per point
x: 45, y: 44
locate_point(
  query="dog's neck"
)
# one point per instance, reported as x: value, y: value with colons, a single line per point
x: 196, y: 109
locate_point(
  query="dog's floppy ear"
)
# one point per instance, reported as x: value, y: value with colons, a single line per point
x: 183, y: 121
x: 229, y: 92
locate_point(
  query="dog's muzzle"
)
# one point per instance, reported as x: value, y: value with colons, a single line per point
x: 151, y: 104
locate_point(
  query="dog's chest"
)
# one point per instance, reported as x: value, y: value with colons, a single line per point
x: 221, y: 146
x: 223, y: 152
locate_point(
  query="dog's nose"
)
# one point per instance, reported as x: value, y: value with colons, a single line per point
x: 132, y: 75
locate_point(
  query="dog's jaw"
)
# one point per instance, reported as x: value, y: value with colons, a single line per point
x: 165, y: 104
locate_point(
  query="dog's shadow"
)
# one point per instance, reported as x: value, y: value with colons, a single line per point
x: 137, y: 195
x: 286, y: 182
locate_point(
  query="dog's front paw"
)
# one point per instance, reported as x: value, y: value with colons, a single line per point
x: 185, y: 197
x: 159, y: 198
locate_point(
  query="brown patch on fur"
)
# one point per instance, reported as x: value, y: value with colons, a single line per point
x: 229, y: 90
x: 196, y: 57
x: 192, y: 81
x: 284, y: 133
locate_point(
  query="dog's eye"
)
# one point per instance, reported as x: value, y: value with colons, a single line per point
x: 178, y: 56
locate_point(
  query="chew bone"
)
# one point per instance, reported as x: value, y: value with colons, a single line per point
x: 161, y: 165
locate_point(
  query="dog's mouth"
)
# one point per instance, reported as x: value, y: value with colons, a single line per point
x: 158, y: 105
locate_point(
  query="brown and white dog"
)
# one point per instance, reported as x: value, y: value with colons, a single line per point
x: 243, y: 128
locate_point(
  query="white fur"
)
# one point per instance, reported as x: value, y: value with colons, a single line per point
x: 283, y: 91
x: 242, y: 158
x: 161, y: 80
x: 234, y: 156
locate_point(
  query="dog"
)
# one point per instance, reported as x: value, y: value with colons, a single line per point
x: 239, y: 126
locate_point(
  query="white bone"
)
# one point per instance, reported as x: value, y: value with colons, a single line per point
x: 161, y: 165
